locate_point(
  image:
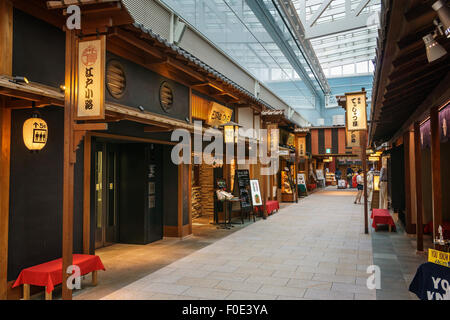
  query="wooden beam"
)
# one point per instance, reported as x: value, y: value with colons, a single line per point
x: 407, y: 164
x: 6, y: 36
x: 68, y: 167
x: 157, y: 129
x: 87, y: 194
x: 418, y: 177
x: 6, y: 45
x: 5, y: 147
x: 436, y: 170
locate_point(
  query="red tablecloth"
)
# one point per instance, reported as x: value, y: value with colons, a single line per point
x: 49, y: 274
x: 271, y: 207
x: 445, y: 229
x: 382, y: 216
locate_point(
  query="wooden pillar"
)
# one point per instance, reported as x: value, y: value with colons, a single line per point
x: 436, y: 170
x: 407, y: 164
x: 418, y: 177
x: 364, y: 163
x: 6, y: 44
x: 180, y: 200
x: 87, y: 195
x: 69, y: 160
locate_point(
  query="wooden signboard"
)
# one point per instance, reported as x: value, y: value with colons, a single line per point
x: 353, y: 139
x: 301, y: 142
x: 242, y: 188
x: 218, y: 115
x: 356, y: 111
x: 91, y: 80
x: 256, y: 193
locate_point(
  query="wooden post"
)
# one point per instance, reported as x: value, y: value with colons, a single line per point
x: 407, y: 164
x: 87, y: 195
x: 69, y: 159
x: 436, y: 170
x: 418, y: 176
x: 364, y: 163
x: 6, y: 45
x: 26, y: 291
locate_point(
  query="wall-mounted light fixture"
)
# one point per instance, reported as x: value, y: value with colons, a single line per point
x: 35, y: 133
x: 19, y: 80
x: 444, y: 15
x: 434, y: 50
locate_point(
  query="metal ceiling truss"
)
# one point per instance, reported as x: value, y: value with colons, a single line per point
x: 265, y: 17
x: 334, y: 16
x: 296, y: 26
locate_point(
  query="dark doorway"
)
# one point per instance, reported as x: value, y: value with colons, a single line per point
x: 106, y: 197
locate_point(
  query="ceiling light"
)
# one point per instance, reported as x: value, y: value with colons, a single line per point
x: 444, y: 15
x: 434, y: 50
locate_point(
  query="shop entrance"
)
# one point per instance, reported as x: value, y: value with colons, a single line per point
x: 106, y: 156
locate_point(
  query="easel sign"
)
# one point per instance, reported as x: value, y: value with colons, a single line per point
x: 242, y: 188
x: 91, y: 79
x: 256, y: 193
x: 301, y: 180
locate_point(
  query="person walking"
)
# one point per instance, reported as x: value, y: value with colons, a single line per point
x: 360, y: 186
x: 349, y: 177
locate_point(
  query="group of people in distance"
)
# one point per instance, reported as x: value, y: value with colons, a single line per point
x: 358, y: 180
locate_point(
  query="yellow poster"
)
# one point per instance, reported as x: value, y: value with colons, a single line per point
x: 439, y: 257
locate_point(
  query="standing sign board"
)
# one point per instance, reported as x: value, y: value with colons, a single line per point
x: 242, y: 188
x: 91, y: 80
x: 256, y: 193
x: 356, y: 111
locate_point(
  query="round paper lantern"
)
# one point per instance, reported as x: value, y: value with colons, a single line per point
x: 35, y: 133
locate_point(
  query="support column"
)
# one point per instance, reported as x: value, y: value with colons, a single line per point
x: 407, y: 163
x: 87, y: 195
x: 418, y: 177
x: 364, y: 163
x: 436, y: 170
x: 69, y: 161
x: 6, y: 44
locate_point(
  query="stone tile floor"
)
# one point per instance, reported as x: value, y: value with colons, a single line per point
x: 315, y: 249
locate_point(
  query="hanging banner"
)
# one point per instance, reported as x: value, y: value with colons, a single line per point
x: 353, y: 139
x: 274, y: 137
x: 218, y: 115
x: 91, y: 79
x: 356, y: 111
x: 301, y: 141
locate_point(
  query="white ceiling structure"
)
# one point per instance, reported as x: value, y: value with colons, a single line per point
x: 343, y: 33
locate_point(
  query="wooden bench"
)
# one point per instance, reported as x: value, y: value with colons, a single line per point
x: 49, y: 274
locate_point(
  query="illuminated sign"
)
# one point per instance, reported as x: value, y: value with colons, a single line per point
x: 218, y: 115
x: 301, y: 146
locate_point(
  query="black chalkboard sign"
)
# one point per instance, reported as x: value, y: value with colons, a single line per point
x: 242, y: 188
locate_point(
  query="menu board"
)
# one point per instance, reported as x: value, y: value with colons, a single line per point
x: 242, y: 188
x: 256, y: 193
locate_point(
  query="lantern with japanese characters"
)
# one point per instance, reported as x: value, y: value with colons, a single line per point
x: 35, y: 133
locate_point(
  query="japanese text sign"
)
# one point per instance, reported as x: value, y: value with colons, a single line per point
x: 91, y: 79
x: 356, y: 111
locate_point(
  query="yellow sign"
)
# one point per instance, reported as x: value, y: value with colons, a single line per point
x: 439, y: 257
x: 374, y: 159
x: 218, y: 115
x: 356, y: 111
x: 353, y: 139
x: 301, y: 146
x: 91, y: 80
x: 291, y: 140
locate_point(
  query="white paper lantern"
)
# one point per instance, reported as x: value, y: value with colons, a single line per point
x: 35, y: 133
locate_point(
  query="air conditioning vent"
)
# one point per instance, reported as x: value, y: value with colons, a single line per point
x: 115, y: 79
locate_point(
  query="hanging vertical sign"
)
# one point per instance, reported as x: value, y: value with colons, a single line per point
x: 91, y: 80
x: 356, y: 111
x: 301, y: 141
x: 353, y: 139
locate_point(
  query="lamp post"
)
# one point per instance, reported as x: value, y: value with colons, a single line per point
x: 231, y: 137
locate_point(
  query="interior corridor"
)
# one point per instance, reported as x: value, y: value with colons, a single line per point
x: 315, y: 249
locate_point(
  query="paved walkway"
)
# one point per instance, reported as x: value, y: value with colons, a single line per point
x: 315, y: 249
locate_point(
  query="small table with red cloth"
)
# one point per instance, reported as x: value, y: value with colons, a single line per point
x: 382, y: 216
x: 49, y: 274
x: 271, y: 206
x: 445, y: 229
